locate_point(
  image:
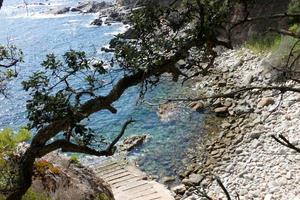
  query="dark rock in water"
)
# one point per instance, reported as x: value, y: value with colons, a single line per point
x: 75, y: 10
x: 132, y: 142
x: 107, y: 50
x: 97, y: 22
x: 61, y: 11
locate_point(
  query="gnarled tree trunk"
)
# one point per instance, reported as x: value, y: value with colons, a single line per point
x: 25, y: 175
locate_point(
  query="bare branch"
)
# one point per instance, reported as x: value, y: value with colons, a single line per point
x: 285, y: 142
x: 282, y: 89
x: 67, y: 146
x: 223, y: 188
x: 252, y: 19
x: 285, y: 32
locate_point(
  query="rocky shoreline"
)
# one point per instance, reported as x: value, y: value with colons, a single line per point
x: 241, y: 152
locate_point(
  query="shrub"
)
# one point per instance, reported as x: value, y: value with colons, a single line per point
x: 74, y: 159
x: 263, y: 44
x: 8, y: 160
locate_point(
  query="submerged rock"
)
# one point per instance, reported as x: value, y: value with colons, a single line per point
x: 167, y: 112
x: 132, y: 142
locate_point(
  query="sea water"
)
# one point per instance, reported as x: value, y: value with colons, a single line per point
x: 37, y: 34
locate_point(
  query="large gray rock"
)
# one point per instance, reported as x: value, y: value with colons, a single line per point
x: 92, y: 6
x: 192, y: 180
x: 60, y: 179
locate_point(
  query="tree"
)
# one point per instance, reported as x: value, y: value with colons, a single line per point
x: 10, y: 57
x: 59, y: 107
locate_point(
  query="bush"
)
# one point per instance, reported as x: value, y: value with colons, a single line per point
x: 74, y: 159
x: 263, y: 44
x: 31, y: 195
x: 8, y: 159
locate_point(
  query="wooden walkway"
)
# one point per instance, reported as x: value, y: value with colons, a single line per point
x: 129, y: 183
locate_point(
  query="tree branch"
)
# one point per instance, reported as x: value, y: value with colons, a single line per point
x: 67, y: 146
x: 285, y: 142
x: 285, y: 32
x: 251, y: 19
x: 283, y: 89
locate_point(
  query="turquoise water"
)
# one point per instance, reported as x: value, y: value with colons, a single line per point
x: 38, y: 34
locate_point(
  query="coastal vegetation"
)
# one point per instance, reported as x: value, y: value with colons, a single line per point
x: 59, y: 108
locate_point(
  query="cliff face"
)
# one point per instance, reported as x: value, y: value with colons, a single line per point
x: 247, y: 30
x: 259, y: 8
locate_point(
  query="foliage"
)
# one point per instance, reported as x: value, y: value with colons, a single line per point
x: 55, y: 95
x: 102, y: 196
x: 74, y: 159
x: 294, y: 7
x: 41, y: 168
x: 263, y: 44
x: 8, y: 159
x: 31, y: 195
x: 10, y: 56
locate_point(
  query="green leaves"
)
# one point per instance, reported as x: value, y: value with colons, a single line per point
x: 9, y: 140
x: 39, y: 80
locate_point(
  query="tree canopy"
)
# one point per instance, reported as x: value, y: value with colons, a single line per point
x: 58, y: 106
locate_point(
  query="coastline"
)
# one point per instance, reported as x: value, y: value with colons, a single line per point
x: 242, y: 153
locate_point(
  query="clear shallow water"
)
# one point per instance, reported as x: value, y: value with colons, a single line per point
x: 38, y: 34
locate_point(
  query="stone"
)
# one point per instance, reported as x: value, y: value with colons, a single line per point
x: 181, y: 63
x: 61, y: 11
x: 192, y: 180
x: 266, y: 101
x: 255, y: 135
x: 97, y: 22
x: 221, y: 111
x: 222, y: 83
x: 268, y: 197
x: 179, y: 189
x: 197, y: 106
x: 132, y: 142
x: 167, y: 179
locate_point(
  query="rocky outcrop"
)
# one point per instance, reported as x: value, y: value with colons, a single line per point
x: 60, y: 178
x: 259, y: 27
x: 83, y: 7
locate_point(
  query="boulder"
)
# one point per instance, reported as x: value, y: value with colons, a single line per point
x: 61, y: 11
x: 97, y: 22
x: 132, y: 142
x: 221, y: 111
x: 197, y: 106
x: 167, y: 179
x: 192, y: 180
x: 92, y: 6
x: 179, y: 189
x: 167, y: 112
x: 266, y: 101
x: 67, y: 181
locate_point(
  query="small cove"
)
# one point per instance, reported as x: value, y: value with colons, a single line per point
x: 164, y: 154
